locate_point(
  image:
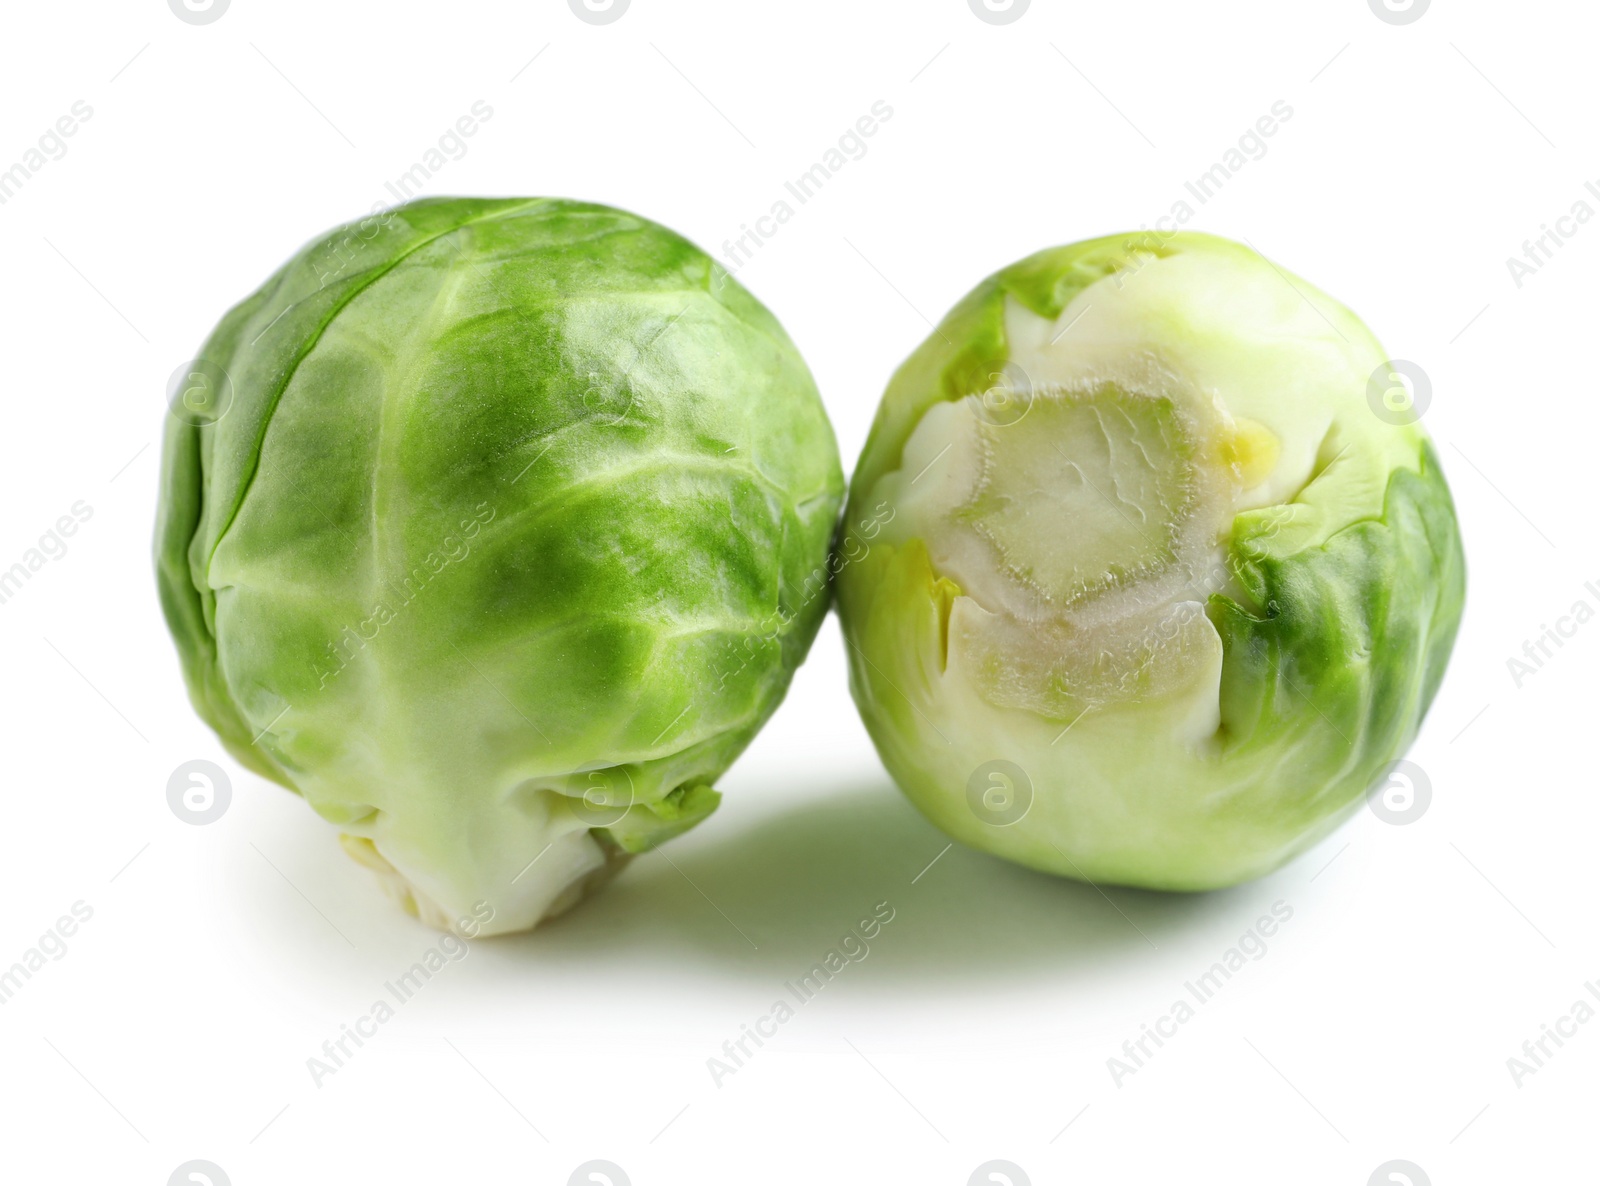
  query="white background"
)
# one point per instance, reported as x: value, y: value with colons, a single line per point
x: 1418, y: 959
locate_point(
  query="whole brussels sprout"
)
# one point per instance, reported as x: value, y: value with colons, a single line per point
x: 496, y: 529
x: 1148, y: 571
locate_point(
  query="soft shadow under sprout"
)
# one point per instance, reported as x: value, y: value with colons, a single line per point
x: 772, y: 898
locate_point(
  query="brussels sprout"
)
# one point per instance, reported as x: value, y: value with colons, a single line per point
x: 1147, y: 572
x: 496, y: 531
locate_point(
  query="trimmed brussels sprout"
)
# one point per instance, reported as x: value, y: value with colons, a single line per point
x: 496, y: 529
x: 1147, y: 573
